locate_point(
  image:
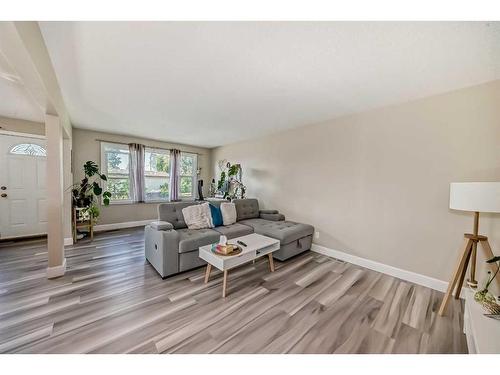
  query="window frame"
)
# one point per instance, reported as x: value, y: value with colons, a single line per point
x: 157, y: 151
x: 194, y: 177
x: 104, y: 170
x: 29, y: 144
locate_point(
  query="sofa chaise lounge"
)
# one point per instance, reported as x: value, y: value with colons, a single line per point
x: 171, y: 247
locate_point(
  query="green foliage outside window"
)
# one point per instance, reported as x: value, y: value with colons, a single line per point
x: 187, y: 165
x: 186, y: 187
x: 164, y: 190
x: 114, y: 161
x: 162, y: 163
x: 119, y: 188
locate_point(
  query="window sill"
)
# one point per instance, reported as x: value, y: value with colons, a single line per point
x: 118, y: 203
x: 121, y: 203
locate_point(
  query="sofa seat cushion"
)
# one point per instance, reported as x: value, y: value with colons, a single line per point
x: 285, y: 231
x: 234, y: 230
x: 192, y: 239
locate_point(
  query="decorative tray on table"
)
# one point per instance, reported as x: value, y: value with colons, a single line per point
x: 222, y: 250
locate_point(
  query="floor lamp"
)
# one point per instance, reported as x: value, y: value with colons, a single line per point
x: 474, y: 197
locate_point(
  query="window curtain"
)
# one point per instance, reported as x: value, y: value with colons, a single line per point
x: 137, y: 171
x: 175, y: 161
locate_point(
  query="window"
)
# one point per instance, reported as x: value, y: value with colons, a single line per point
x: 115, y: 165
x: 29, y: 149
x: 187, y: 175
x: 156, y: 174
x: 116, y: 162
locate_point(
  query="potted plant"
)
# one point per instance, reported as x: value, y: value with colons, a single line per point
x: 86, y: 192
x: 483, y: 296
x: 229, y: 184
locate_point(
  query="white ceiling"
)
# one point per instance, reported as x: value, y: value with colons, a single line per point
x: 15, y: 100
x: 213, y: 83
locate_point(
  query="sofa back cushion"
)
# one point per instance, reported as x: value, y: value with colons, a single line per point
x: 246, y: 209
x: 172, y: 212
x: 216, y: 215
x: 228, y: 211
x: 198, y: 216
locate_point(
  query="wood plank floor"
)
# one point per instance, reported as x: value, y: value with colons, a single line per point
x: 112, y: 301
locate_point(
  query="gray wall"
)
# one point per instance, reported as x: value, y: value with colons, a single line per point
x: 376, y: 184
x: 86, y: 147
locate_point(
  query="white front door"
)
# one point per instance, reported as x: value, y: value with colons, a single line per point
x: 23, y: 194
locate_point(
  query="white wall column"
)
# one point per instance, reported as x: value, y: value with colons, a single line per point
x: 68, y: 181
x: 55, y: 192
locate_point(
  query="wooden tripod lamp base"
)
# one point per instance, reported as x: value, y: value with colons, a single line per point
x: 456, y: 283
x: 476, y: 197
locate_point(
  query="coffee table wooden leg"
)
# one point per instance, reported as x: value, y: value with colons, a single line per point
x: 224, y: 284
x: 207, y: 272
x: 271, y: 262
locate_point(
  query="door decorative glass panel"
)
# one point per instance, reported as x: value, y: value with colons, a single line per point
x: 30, y: 149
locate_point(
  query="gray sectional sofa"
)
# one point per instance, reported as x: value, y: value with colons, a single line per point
x: 172, y: 248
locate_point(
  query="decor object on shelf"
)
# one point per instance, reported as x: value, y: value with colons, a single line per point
x: 200, y: 190
x: 476, y: 197
x: 223, y: 240
x: 226, y: 250
x: 229, y: 184
x: 484, y: 297
x: 212, y: 189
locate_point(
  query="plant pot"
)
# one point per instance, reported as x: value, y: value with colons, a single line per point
x: 484, y: 296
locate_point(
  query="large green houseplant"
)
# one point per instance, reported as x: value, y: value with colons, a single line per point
x: 86, y: 193
x: 229, y: 184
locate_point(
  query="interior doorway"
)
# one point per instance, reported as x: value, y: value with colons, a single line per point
x: 23, y: 192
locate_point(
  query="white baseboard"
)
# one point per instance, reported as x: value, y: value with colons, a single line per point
x: 413, y: 277
x: 57, y: 271
x: 68, y: 241
x: 127, y: 224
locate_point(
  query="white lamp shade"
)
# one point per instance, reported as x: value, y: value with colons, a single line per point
x: 475, y: 196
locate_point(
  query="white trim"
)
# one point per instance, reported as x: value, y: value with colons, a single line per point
x: 128, y: 224
x: 413, y: 277
x: 68, y: 241
x: 23, y: 236
x: 19, y: 134
x: 56, y: 271
x: 119, y: 201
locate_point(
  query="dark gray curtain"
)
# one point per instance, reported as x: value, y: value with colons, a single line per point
x: 136, y: 166
x: 175, y: 161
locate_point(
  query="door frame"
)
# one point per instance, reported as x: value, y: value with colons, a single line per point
x: 20, y: 134
x: 25, y: 135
